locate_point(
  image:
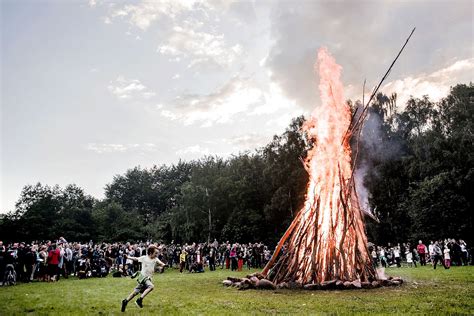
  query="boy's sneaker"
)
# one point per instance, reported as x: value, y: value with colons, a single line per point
x: 139, y: 302
x: 124, y: 305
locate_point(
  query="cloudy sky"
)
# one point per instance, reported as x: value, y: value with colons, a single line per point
x: 92, y: 88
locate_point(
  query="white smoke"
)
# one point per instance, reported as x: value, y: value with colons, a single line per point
x: 362, y: 192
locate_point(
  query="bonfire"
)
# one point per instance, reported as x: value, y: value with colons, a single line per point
x: 326, y: 244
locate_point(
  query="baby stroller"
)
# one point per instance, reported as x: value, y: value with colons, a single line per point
x: 9, y: 277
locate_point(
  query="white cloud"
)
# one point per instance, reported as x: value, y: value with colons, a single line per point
x: 121, y: 148
x: 92, y: 3
x: 247, y: 141
x: 195, y: 150
x: 239, y: 96
x: 236, y: 96
x: 200, y: 47
x: 176, y: 76
x: 124, y: 88
x: 143, y: 14
x: 436, y: 85
x: 186, y: 40
x: 275, y: 100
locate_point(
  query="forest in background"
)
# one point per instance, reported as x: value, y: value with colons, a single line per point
x: 416, y: 163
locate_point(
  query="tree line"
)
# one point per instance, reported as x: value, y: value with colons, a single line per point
x: 416, y: 162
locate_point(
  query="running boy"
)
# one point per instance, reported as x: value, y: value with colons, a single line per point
x: 145, y: 276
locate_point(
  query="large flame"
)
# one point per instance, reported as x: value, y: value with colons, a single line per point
x: 327, y: 239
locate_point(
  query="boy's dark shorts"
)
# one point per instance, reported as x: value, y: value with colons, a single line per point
x: 141, y: 287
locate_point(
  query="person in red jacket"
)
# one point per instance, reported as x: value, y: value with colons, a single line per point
x: 421, y: 248
x: 53, y: 261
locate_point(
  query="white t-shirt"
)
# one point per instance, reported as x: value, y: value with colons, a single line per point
x: 396, y: 253
x: 148, y: 265
x: 431, y: 250
x: 446, y: 253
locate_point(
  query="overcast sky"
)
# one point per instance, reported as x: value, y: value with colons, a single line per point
x: 92, y: 88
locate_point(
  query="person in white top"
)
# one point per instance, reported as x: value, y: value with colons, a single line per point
x: 447, y: 257
x: 145, y: 276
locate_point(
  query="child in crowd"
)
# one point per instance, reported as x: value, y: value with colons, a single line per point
x: 447, y: 257
x: 409, y: 256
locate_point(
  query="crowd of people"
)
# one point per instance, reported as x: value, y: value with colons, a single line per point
x: 48, y: 261
x: 445, y: 252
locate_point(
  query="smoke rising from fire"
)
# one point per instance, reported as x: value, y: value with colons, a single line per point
x: 374, y: 148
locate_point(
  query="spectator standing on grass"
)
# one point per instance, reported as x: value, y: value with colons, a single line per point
x: 455, y: 252
x: 53, y: 261
x: 240, y: 258
x: 464, y: 253
x: 3, y: 252
x: 437, y: 255
x: 383, y: 259
x: 182, y: 260
x: 68, y: 256
x: 43, y: 263
x: 212, y: 258
x: 402, y: 249
x: 30, y: 261
x: 248, y: 256
x: 227, y: 256
x: 20, y: 261
x: 431, y: 251
x: 61, y: 264
x: 396, y: 255
x: 233, y: 257
x: 374, y: 257
x: 421, y: 249
x: 447, y: 257
x: 409, y: 257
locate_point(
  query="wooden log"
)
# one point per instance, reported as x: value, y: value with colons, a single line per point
x: 244, y: 286
x: 282, y: 285
x: 265, y: 284
x: 256, y: 274
x: 294, y: 285
x: 385, y: 282
x: 254, y: 280
x: 329, y: 284
x: 227, y: 283
x: 312, y: 286
x: 398, y: 279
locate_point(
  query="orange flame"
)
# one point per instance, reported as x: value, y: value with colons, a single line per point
x: 329, y: 166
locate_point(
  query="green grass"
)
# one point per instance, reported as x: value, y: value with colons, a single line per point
x: 426, y: 291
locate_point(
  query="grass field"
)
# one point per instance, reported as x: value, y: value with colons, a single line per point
x: 426, y: 291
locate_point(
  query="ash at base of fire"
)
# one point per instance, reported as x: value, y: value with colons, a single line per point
x: 259, y: 282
